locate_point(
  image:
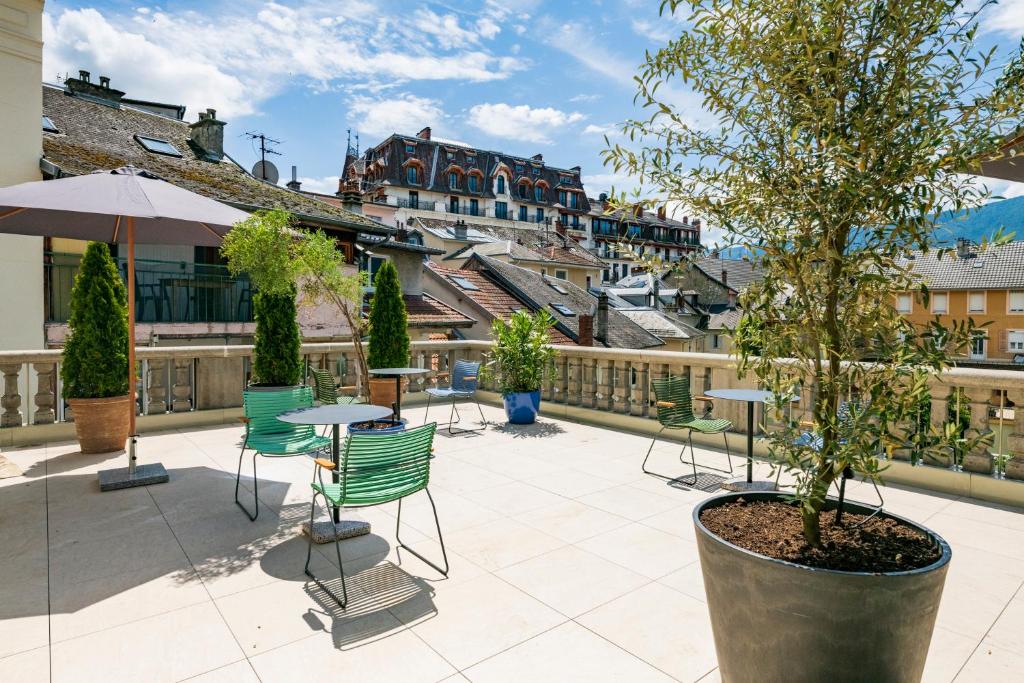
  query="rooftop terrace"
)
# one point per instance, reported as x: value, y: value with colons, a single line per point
x: 567, y: 563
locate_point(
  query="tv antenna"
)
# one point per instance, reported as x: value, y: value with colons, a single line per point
x: 264, y: 170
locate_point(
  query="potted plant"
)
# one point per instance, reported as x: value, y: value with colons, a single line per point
x: 94, y: 369
x: 521, y: 358
x: 834, y: 138
x: 389, y: 334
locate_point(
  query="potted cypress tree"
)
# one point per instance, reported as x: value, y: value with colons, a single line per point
x: 521, y: 358
x: 95, y: 364
x: 389, y: 334
x: 277, y: 346
x: 835, y: 134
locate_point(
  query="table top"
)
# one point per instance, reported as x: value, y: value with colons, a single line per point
x: 396, y: 372
x: 748, y: 395
x: 335, y: 414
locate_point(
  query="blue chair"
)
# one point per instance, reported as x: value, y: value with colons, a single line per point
x: 462, y: 386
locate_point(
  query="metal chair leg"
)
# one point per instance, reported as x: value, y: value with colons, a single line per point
x: 440, y: 538
x: 693, y: 454
x: 343, y: 600
x: 643, y: 467
x: 455, y: 418
x: 427, y: 411
x: 451, y: 417
x: 255, y: 487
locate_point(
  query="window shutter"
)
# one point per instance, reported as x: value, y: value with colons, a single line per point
x: 1003, y: 344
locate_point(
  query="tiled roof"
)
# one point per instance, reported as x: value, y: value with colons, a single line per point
x: 660, y: 323
x: 498, y: 302
x: 739, y: 274
x: 996, y: 267
x: 97, y: 136
x: 538, y: 289
x: 426, y: 311
x: 726, y: 319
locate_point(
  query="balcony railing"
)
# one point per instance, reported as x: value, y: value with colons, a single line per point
x: 165, y: 291
x: 610, y: 386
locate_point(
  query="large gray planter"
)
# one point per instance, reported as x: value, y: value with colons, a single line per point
x: 779, y: 621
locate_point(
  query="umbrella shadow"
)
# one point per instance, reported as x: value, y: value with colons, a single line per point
x: 538, y: 430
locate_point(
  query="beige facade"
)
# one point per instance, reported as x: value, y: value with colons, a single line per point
x: 21, y: 110
x: 1003, y: 309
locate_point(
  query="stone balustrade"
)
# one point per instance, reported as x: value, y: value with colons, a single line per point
x: 596, y: 381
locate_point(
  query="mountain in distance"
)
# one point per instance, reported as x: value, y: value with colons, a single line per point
x: 977, y: 224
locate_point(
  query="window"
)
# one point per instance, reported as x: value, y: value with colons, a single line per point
x: 158, y: 146
x: 557, y: 287
x: 453, y: 180
x: 501, y: 184
x: 474, y: 207
x: 519, y: 168
x: 588, y: 283
x: 563, y: 197
x: 500, y: 210
x: 473, y: 182
x: 414, y: 200
x: 538, y: 193
x: 451, y: 154
x: 940, y: 302
x: 1015, y: 340
x: 49, y: 126
x: 540, y: 215
x: 716, y: 341
x: 410, y: 149
x: 536, y: 170
x: 605, y: 275
x: 524, y: 191
x: 412, y: 175
x: 563, y: 309
x: 904, y: 303
x: 522, y: 213
x: 470, y: 159
x: 453, y: 204
x: 1016, y: 302
x: 562, y: 275
x: 978, y: 346
x: 976, y: 302
x: 464, y: 283
x: 574, y: 201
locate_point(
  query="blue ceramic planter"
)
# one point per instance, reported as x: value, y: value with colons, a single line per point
x: 395, y: 427
x: 522, y: 407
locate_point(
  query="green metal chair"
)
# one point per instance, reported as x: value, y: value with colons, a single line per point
x: 675, y: 411
x: 326, y: 389
x: 268, y: 436
x: 376, y: 469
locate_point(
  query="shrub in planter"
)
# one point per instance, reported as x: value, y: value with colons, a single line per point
x: 94, y: 370
x: 389, y: 333
x: 521, y: 359
x: 836, y: 136
x: 277, y: 359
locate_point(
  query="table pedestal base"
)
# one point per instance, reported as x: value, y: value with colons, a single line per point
x: 741, y: 484
x: 327, y: 532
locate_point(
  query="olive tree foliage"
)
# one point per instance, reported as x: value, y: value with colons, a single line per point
x: 278, y: 257
x: 842, y: 128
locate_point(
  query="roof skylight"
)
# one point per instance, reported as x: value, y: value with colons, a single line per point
x: 464, y: 283
x: 558, y: 288
x: 158, y: 146
x: 563, y: 309
x: 49, y: 126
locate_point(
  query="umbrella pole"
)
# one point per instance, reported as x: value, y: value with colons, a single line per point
x: 153, y: 473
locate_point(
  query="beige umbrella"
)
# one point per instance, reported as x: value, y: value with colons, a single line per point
x: 126, y: 206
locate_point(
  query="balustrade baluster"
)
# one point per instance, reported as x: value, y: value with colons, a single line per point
x: 182, y: 389
x: 588, y: 385
x: 11, y: 400
x: 1015, y: 440
x: 978, y: 460
x: 574, y: 367
x: 623, y: 386
x: 639, y: 404
x: 157, y: 371
x: 45, y: 398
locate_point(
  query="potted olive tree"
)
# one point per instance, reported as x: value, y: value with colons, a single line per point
x: 521, y: 359
x: 835, y: 133
x: 94, y: 369
x: 389, y: 334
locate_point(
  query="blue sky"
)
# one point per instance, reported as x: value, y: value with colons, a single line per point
x: 549, y: 77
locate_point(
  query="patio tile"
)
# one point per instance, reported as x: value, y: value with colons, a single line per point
x: 668, y: 630
x: 998, y: 540
x: 168, y: 647
x: 477, y: 619
x: 501, y: 543
x: 946, y: 655
x: 572, y: 521
x: 689, y: 580
x: 630, y: 502
x: 1008, y: 631
x: 988, y: 513
x: 990, y: 663
x: 514, y: 498
x: 571, y: 580
x: 454, y: 511
x: 677, y: 521
x: 570, y: 482
x: 647, y: 551
x: 239, y: 672
x: 567, y: 652
x: 32, y: 666
x: 464, y: 477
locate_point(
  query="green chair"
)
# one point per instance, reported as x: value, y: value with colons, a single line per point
x: 675, y: 411
x: 268, y: 436
x: 375, y: 469
x: 326, y: 389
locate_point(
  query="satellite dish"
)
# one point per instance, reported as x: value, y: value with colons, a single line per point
x: 265, y: 170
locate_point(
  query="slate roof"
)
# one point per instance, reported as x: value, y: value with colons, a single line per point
x: 599, y: 209
x: 725, y: 319
x: 533, y: 287
x: 445, y: 230
x: 660, y: 323
x: 498, y: 302
x: 739, y: 274
x: 102, y: 136
x: 426, y: 311
x: 995, y: 267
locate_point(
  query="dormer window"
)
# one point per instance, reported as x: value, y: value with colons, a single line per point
x: 157, y: 146
x: 501, y: 184
x: 538, y: 193
x: 536, y: 170
x: 562, y: 198
x: 412, y: 175
x: 470, y: 159
x: 410, y: 149
x: 519, y: 168
x: 473, y: 184
x: 453, y: 180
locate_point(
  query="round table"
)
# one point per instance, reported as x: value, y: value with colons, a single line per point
x: 398, y: 374
x: 750, y: 397
x: 335, y: 415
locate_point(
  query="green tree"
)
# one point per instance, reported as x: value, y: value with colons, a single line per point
x: 521, y: 357
x: 95, y: 361
x: 389, y: 321
x: 276, y: 344
x: 839, y: 130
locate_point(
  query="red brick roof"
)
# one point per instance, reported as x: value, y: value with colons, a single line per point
x: 426, y: 311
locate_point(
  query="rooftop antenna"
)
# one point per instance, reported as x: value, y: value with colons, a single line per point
x: 264, y: 170
x: 357, y: 144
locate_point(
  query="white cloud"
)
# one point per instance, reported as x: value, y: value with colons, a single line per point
x: 521, y: 122
x: 325, y: 185
x: 597, y: 183
x: 610, y: 129
x: 1006, y: 17
x: 405, y: 113
x: 235, y: 60
x: 583, y: 97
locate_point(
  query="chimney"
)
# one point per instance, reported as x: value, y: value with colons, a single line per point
x: 576, y: 169
x: 696, y: 224
x: 424, y: 134
x: 294, y: 183
x: 559, y: 228
x: 350, y: 199
x: 725, y: 275
x: 656, y: 289
x: 84, y: 86
x: 603, y: 197
x: 661, y: 213
x: 460, y: 230
x: 586, y: 327
x: 208, y: 134
x: 538, y: 157
x: 963, y: 248
x: 601, y: 323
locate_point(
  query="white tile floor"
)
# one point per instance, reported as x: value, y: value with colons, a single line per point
x: 567, y: 563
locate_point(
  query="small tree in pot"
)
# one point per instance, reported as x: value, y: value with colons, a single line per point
x: 521, y: 359
x: 389, y: 333
x: 95, y: 364
x: 838, y: 132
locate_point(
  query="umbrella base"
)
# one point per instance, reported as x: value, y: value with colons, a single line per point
x: 122, y: 478
x: 327, y: 532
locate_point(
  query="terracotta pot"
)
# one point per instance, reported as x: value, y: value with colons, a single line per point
x: 382, y: 391
x: 101, y: 424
